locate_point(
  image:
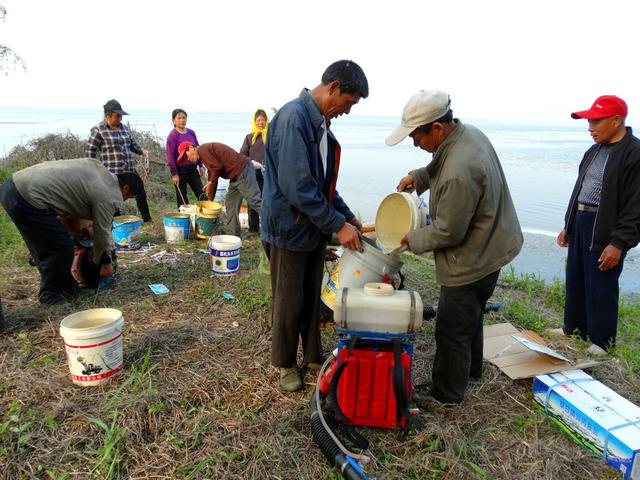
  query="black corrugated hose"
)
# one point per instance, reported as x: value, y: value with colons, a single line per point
x: 349, y: 468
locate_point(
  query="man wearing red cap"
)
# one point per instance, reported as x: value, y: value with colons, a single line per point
x: 223, y: 161
x: 601, y: 224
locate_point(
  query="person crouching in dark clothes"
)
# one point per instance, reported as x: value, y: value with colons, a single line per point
x: 42, y: 199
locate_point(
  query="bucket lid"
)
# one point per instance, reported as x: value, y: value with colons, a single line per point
x: 221, y: 242
x: 207, y: 206
x: 126, y: 219
x: 396, y: 216
x: 177, y: 215
x: 91, y: 323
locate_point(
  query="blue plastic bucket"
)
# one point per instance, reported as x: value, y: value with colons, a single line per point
x: 176, y: 227
x: 127, y: 231
x: 225, y: 254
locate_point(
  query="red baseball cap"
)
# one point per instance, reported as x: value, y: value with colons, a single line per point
x: 604, y: 106
x: 183, y: 147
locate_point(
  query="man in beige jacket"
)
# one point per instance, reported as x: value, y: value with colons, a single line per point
x: 474, y: 231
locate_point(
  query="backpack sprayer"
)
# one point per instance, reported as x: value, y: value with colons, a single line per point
x: 367, y: 382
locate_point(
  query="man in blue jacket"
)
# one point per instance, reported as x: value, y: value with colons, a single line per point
x: 301, y: 209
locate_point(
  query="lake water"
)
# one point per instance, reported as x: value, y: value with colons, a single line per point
x: 540, y: 163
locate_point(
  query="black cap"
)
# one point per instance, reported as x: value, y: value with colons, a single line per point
x: 114, y: 106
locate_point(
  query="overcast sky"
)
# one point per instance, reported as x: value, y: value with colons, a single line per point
x: 517, y: 61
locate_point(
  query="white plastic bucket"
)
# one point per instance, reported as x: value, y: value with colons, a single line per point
x: 191, y: 210
x: 221, y: 191
x: 93, y: 341
x: 355, y: 269
x: 225, y: 254
x: 397, y: 215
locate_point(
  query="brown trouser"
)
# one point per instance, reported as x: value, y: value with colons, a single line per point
x: 296, y: 281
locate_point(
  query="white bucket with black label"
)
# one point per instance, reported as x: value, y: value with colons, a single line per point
x: 93, y: 341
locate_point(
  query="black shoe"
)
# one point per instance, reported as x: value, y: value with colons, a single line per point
x: 52, y: 298
x: 423, y: 397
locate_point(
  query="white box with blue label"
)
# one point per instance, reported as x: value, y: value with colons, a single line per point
x: 594, y: 416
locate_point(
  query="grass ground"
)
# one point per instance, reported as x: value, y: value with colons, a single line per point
x: 198, y: 399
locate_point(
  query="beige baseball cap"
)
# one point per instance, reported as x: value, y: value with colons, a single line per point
x: 424, y: 107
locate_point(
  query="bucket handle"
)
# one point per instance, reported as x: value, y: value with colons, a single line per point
x: 412, y: 314
x: 345, y: 291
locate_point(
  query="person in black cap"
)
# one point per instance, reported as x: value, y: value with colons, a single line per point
x: 113, y: 141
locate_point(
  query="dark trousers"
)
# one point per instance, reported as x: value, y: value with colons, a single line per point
x: 188, y: 175
x: 296, y: 280
x: 459, y: 337
x: 47, y: 240
x: 591, y: 305
x: 143, y: 206
x: 254, y: 217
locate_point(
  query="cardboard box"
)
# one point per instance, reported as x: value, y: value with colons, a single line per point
x: 523, y: 360
x: 593, y: 415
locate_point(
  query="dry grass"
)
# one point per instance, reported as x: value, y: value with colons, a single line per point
x: 198, y: 398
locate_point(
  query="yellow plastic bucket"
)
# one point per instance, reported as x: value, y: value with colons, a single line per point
x: 398, y: 214
x: 209, y: 207
x: 206, y: 224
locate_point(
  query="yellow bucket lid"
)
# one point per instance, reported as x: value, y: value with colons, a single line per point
x: 177, y: 215
x: 207, y: 206
x: 126, y: 219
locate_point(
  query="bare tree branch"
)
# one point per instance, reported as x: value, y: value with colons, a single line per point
x: 8, y: 58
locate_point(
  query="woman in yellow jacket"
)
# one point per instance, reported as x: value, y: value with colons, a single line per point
x: 253, y: 147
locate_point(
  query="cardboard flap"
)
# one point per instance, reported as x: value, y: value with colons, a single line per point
x: 518, y: 361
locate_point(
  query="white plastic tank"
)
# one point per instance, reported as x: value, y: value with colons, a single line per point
x: 377, y: 307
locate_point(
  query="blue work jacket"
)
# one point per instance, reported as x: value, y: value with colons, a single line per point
x: 296, y: 213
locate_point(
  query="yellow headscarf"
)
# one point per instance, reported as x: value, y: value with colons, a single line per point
x: 254, y: 129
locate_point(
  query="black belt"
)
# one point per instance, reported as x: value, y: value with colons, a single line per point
x: 587, y: 208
